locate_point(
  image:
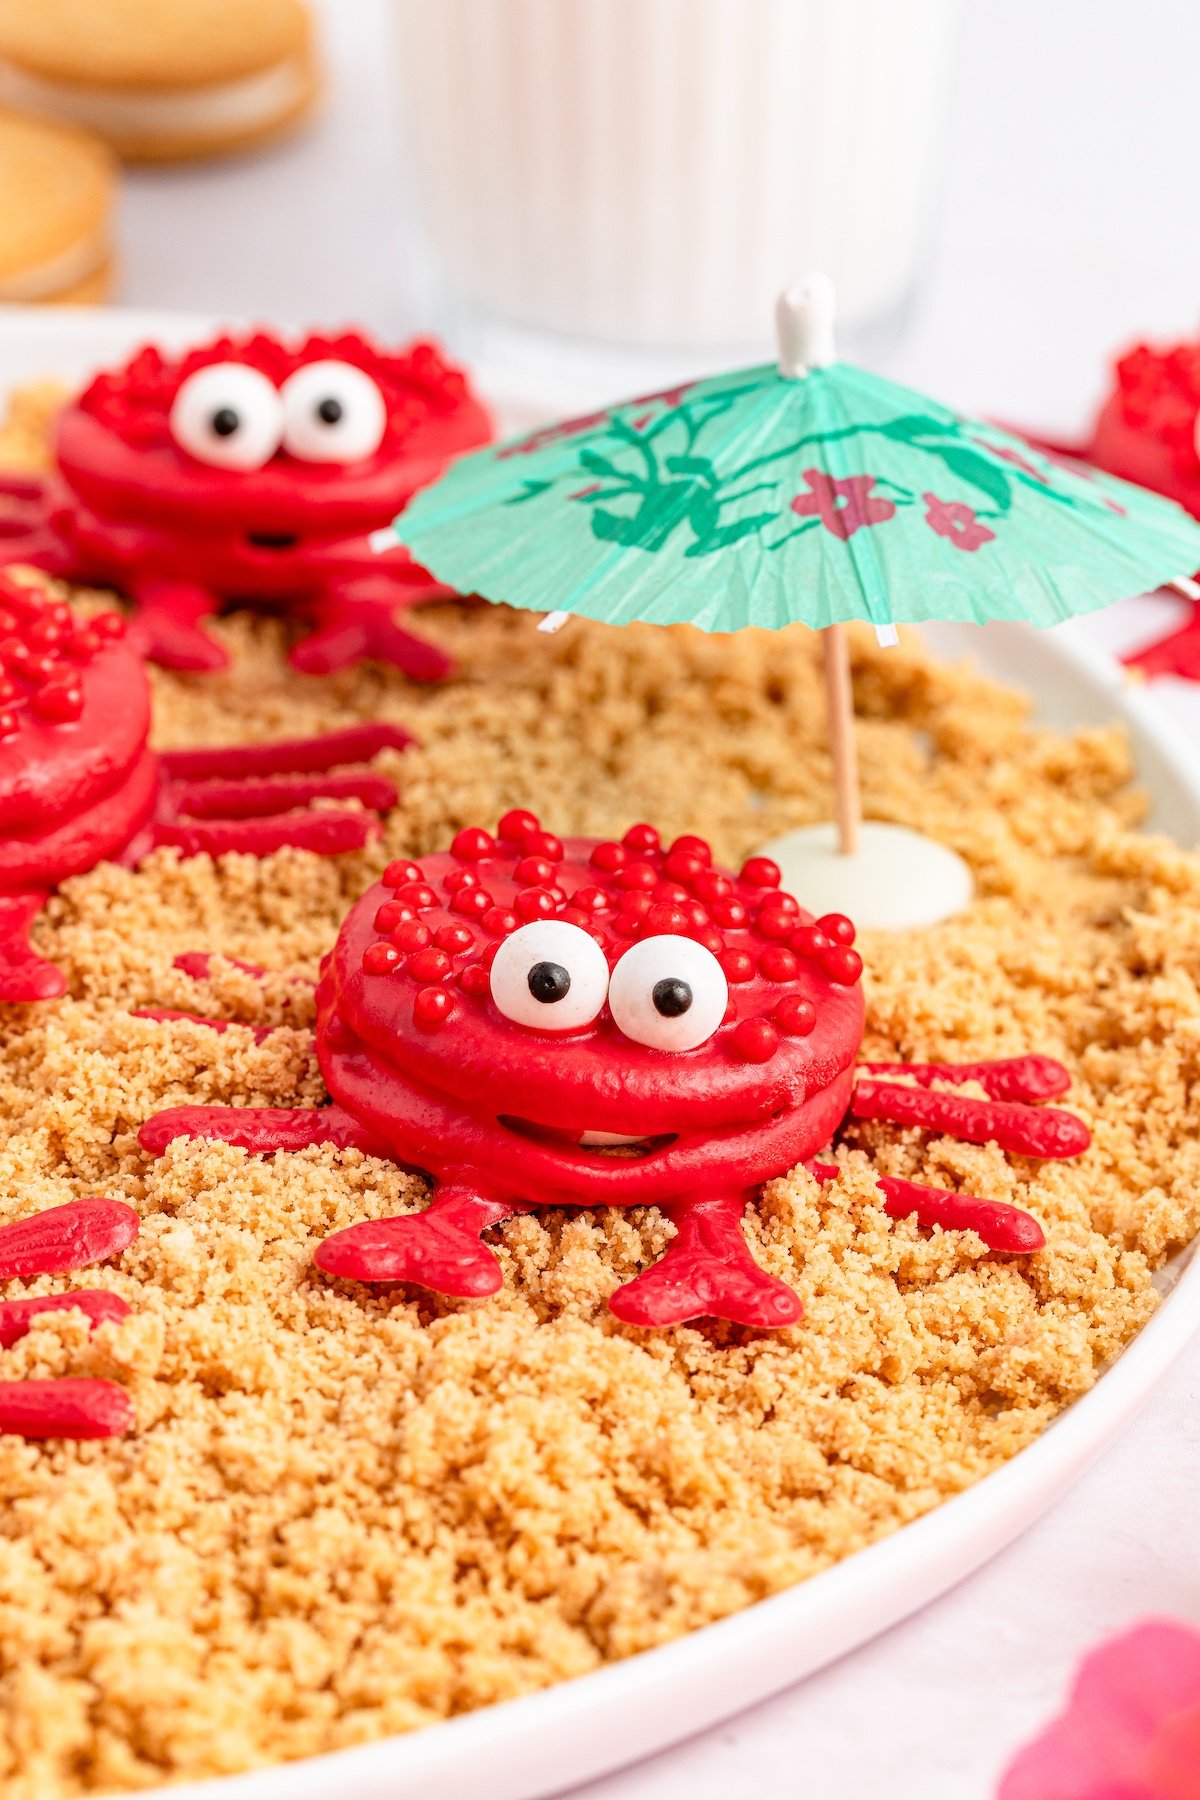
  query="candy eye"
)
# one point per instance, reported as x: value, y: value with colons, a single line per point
x: 333, y: 412
x: 228, y: 414
x: 550, y: 976
x: 668, y: 992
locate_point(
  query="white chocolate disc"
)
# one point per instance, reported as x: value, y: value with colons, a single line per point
x: 899, y: 880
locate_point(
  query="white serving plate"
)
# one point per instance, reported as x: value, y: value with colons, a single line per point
x: 546, y: 1742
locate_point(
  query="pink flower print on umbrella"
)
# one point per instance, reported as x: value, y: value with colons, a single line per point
x: 1131, y: 1728
x: 843, y: 507
x: 952, y: 519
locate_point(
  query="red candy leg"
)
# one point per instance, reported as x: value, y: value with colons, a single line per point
x: 243, y: 797
x: 16, y: 1316
x: 357, y: 618
x: 439, y: 1248
x: 707, y: 1271
x: 1009, y: 1078
x: 329, y: 833
x: 261, y: 1129
x: 166, y: 625
x: 287, y: 756
x: 164, y: 1015
x: 66, y: 1237
x: 1178, y: 653
x: 1000, y: 1226
x: 68, y: 1408
x: 1041, y: 1131
x: 24, y: 975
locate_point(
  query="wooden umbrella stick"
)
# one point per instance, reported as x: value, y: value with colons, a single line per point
x: 839, y: 702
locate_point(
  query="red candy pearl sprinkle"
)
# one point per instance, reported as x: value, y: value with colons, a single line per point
x: 431, y: 1008
x: 608, y: 857
x: 429, y: 965
x: 641, y: 839
x: 517, y: 825
x: 761, y: 872
x: 754, y: 1040
x: 738, y: 965
x: 473, y: 844
x: 842, y: 965
x: 838, y: 927
x: 778, y: 964
x: 381, y: 959
x: 692, y: 846
x: 398, y: 873
x: 409, y: 934
x: 795, y: 1015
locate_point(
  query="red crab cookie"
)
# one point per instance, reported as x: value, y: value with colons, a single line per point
x: 79, y: 783
x: 251, y: 470
x: 539, y: 1023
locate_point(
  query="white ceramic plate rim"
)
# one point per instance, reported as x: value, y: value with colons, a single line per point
x: 540, y: 1744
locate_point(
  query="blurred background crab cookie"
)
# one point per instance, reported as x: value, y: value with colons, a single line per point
x: 162, y: 80
x: 56, y: 202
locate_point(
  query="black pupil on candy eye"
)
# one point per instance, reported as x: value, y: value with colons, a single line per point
x: 671, y: 997
x: 549, y: 982
x: 225, y: 421
x: 329, y: 411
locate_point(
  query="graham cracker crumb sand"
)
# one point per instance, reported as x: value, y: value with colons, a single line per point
x: 347, y: 1513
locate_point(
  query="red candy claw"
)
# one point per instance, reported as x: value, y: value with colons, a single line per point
x: 24, y: 975
x: 707, y: 1269
x: 16, y: 1316
x: 1011, y: 1078
x: 1002, y: 1227
x: 439, y: 1248
x: 357, y: 619
x: 1020, y: 1130
x: 66, y: 1237
x: 198, y: 965
x: 67, y: 1408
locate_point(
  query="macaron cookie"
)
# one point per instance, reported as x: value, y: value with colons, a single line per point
x: 56, y: 201
x: 162, y: 80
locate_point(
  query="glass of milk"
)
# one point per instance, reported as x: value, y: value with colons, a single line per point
x: 651, y: 173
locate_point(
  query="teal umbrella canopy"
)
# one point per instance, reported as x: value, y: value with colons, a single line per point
x: 758, y: 498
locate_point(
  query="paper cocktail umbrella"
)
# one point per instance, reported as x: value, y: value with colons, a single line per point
x: 806, y: 491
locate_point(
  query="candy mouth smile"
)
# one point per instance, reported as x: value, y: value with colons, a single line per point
x: 273, y: 540
x: 610, y: 1146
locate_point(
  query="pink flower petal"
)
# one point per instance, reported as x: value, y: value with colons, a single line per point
x: 1134, y: 1712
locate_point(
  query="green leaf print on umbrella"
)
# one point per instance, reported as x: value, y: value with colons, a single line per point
x: 809, y: 492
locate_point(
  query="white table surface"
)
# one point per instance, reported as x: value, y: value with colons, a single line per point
x: 1070, y: 222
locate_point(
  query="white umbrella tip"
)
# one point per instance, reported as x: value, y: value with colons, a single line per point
x: 804, y: 315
